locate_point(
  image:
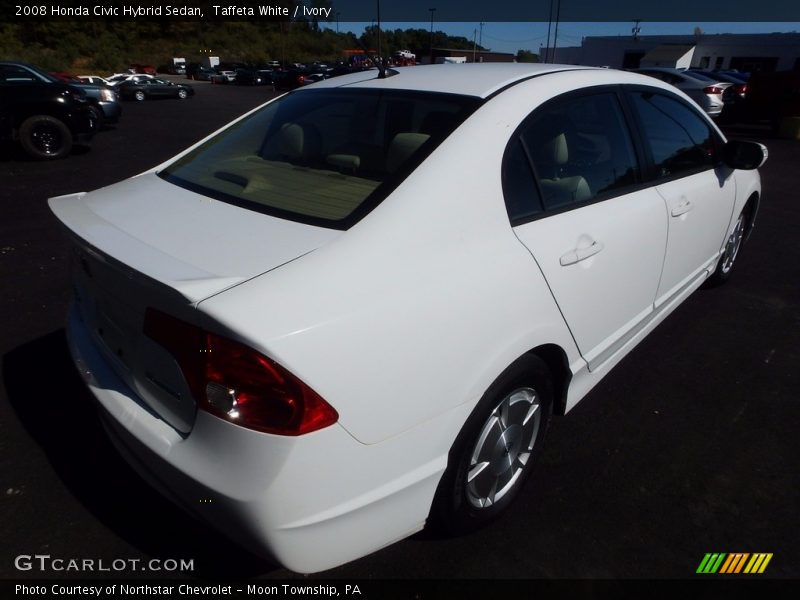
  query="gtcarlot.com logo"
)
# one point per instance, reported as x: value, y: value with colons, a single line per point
x: 734, y: 563
x: 45, y: 562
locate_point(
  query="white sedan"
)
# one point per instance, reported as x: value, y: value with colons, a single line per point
x: 354, y: 310
x: 94, y: 79
x: 119, y: 78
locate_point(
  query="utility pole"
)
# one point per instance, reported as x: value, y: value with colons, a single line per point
x: 474, y: 44
x: 549, y: 25
x: 433, y: 10
x: 337, y: 22
x: 636, y: 29
x: 480, y: 36
x: 555, y: 35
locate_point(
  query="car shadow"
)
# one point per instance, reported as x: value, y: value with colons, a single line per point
x: 13, y: 152
x: 59, y: 414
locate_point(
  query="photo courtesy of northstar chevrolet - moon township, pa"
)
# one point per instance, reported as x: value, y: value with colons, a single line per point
x: 352, y: 312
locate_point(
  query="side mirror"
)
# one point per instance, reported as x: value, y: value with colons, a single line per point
x: 740, y: 154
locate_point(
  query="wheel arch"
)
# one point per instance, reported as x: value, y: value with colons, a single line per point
x: 751, y: 207
x: 36, y: 110
x: 557, y: 363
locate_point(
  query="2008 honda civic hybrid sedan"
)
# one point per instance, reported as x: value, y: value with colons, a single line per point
x: 354, y: 310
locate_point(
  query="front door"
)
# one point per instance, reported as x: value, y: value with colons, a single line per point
x: 697, y: 190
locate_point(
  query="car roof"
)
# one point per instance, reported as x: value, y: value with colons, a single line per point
x: 474, y: 79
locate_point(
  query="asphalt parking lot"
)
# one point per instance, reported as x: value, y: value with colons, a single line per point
x: 689, y: 446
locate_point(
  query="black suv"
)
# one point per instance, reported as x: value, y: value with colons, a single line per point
x: 45, y: 115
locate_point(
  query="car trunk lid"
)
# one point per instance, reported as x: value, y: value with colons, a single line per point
x: 147, y: 243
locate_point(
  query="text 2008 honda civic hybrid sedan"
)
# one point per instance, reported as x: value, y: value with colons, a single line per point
x: 354, y: 310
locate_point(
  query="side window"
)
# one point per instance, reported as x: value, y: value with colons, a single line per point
x: 519, y: 187
x: 679, y: 139
x: 580, y: 148
x: 14, y: 74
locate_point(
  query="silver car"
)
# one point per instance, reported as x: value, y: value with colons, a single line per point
x: 707, y: 94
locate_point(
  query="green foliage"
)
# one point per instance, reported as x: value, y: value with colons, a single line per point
x: 418, y: 41
x: 526, y: 56
x: 105, y: 46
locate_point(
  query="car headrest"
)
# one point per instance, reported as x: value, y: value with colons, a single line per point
x: 290, y: 141
x: 555, y: 149
x: 402, y: 147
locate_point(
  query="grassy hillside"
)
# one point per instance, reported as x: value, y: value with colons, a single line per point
x: 108, y: 46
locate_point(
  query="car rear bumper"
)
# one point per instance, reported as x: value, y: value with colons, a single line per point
x: 310, y: 502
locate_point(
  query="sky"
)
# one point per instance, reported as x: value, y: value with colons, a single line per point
x: 510, y: 37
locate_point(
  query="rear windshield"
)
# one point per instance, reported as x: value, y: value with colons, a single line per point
x: 323, y: 157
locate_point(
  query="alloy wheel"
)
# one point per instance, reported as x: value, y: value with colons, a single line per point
x: 733, y: 244
x: 504, y: 447
x: 47, y: 138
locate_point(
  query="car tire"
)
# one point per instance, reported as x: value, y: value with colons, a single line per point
x: 182, y: 94
x: 139, y: 95
x: 496, y: 449
x: 45, y: 138
x: 733, y: 247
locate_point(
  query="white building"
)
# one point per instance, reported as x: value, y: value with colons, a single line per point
x: 740, y: 51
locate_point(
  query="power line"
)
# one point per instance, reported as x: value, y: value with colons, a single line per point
x: 496, y: 39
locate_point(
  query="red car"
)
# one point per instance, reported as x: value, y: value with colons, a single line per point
x: 146, y: 69
x: 65, y: 77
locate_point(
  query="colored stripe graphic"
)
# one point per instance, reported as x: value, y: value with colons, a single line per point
x: 758, y: 563
x: 711, y: 562
x: 734, y: 563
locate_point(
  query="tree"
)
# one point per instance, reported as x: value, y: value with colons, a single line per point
x: 526, y: 56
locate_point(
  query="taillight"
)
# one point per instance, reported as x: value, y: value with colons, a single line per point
x: 238, y: 384
x: 740, y: 88
x: 300, y: 79
x: 712, y: 89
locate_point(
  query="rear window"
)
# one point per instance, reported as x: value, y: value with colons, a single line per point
x: 322, y: 157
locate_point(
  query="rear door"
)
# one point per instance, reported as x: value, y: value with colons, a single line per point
x: 573, y: 188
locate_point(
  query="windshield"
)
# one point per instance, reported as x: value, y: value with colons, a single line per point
x: 323, y: 157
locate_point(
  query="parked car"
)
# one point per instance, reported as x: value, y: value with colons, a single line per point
x: 94, y: 79
x: 103, y: 98
x: 64, y: 76
x: 104, y: 102
x: 154, y: 88
x: 737, y: 89
x: 291, y: 78
x: 46, y: 116
x: 199, y: 73
x: 707, y: 94
x: 223, y: 76
x: 771, y: 97
x: 253, y: 76
x: 145, y: 69
x: 337, y: 320
x: 119, y: 78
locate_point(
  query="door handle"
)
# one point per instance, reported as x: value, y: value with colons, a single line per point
x: 682, y: 208
x: 579, y: 254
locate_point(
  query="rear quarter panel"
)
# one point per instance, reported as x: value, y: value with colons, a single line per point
x: 421, y: 305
